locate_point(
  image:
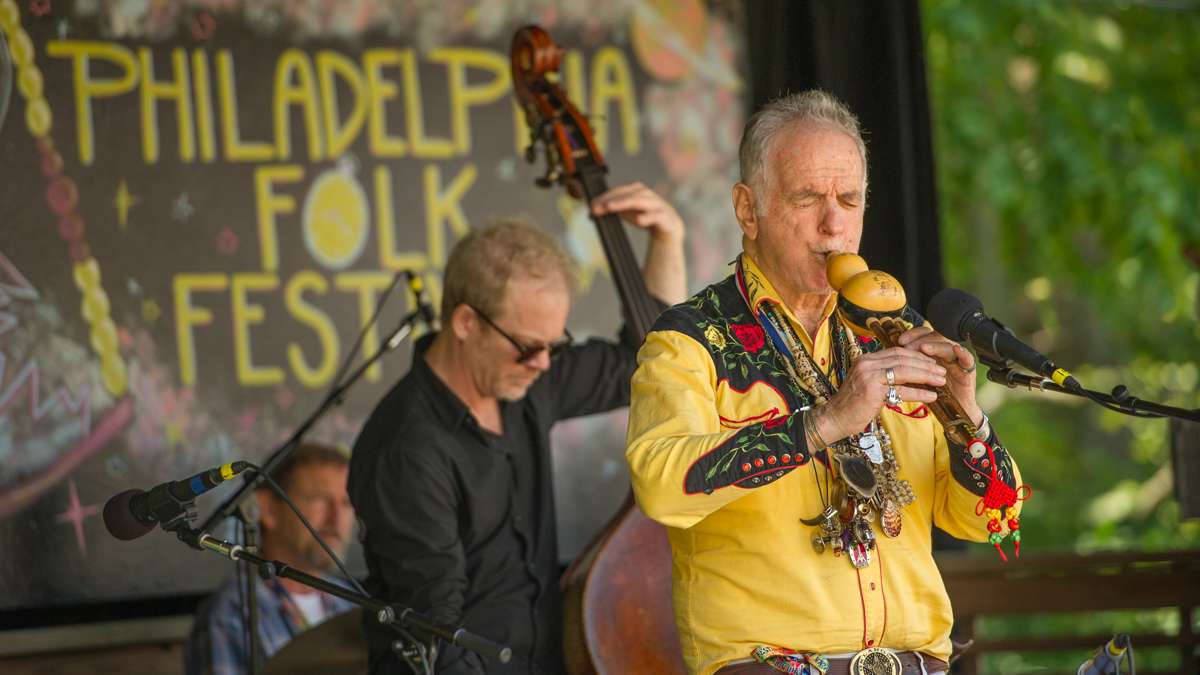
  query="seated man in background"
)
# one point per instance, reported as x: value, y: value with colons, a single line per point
x: 314, y: 477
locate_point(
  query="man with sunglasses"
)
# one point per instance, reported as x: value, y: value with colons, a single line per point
x: 451, y: 474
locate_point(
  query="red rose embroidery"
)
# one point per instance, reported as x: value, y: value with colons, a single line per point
x: 775, y: 422
x: 750, y: 335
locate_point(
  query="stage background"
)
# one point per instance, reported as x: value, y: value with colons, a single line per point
x: 247, y: 177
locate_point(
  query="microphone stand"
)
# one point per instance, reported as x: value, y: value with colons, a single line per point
x: 398, y: 617
x: 1001, y: 372
x: 250, y: 588
x: 335, y: 397
x: 230, y: 508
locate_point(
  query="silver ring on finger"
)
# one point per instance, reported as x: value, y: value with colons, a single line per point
x: 889, y: 375
x: 893, y: 396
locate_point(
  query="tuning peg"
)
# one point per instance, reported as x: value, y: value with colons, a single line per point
x: 549, y: 179
x: 552, y: 174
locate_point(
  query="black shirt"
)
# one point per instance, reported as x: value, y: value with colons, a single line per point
x: 458, y: 522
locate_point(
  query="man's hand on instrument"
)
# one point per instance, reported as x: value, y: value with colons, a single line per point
x: 642, y: 207
x: 665, y: 270
x: 960, y: 364
x: 876, y: 379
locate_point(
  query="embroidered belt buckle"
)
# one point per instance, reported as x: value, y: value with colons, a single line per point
x: 875, y: 661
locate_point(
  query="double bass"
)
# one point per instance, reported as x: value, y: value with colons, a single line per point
x: 617, y: 614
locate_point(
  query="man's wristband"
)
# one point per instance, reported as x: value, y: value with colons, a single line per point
x: 810, y: 431
x: 984, y: 430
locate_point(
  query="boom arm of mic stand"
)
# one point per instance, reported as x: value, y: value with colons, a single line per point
x: 230, y: 505
x: 392, y: 615
x: 1012, y: 379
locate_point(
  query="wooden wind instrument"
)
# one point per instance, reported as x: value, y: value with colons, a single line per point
x: 873, y: 304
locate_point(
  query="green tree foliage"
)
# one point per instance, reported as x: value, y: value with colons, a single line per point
x: 1068, y: 153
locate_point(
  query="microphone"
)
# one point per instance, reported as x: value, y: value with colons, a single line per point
x: 133, y: 513
x: 417, y: 287
x: 1107, y: 660
x: 959, y: 316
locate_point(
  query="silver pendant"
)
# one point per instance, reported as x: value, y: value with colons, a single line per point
x: 860, y: 555
x: 858, y: 539
x: 822, y: 519
x: 869, y: 443
x: 830, y: 534
x: 830, y: 537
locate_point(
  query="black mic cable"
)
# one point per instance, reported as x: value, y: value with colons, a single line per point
x: 362, y: 336
x: 308, y: 526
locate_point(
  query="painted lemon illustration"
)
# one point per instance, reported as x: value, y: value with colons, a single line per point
x: 335, y: 219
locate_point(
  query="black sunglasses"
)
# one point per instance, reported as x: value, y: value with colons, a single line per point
x: 525, y: 354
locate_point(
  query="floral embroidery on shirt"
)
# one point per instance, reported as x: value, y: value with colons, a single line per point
x: 764, y: 449
x: 750, y: 335
x: 757, y: 455
x: 715, y: 337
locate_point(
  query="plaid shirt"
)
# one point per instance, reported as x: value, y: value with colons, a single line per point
x: 217, y: 644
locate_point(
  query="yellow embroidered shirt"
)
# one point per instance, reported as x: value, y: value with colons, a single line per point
x: 717, y: 453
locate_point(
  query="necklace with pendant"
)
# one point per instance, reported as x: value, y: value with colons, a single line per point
x: 828, y: 523
x: 867, y: 482
x: 875, y: 445
x: 845, y: 521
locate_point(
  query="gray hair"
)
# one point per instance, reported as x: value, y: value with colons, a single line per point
x: 484, y: 261
x: 807, y: 107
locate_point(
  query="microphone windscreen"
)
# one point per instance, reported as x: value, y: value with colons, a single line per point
x: 119, y: 518
x: 948, y: 308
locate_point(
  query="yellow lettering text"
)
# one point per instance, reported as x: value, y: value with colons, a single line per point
x: 270, y: 204
x: 572, y: 80
x: 613, y: 82
x: 293, y: 65
x: 520, y: 128
x: 422, y: 146
x: 202, y: 85
x: 368, y: 285
x: 443, y: 205
x: 179, y: 91
x: 187, y: 316
x: 379, y: 92
x: 245, y: 314
x: 236, y: 150
x: 463, y: 95
x: 332, y: 66
x: 385, y: 226
x: 86, y: 87
x: 311, y: 377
